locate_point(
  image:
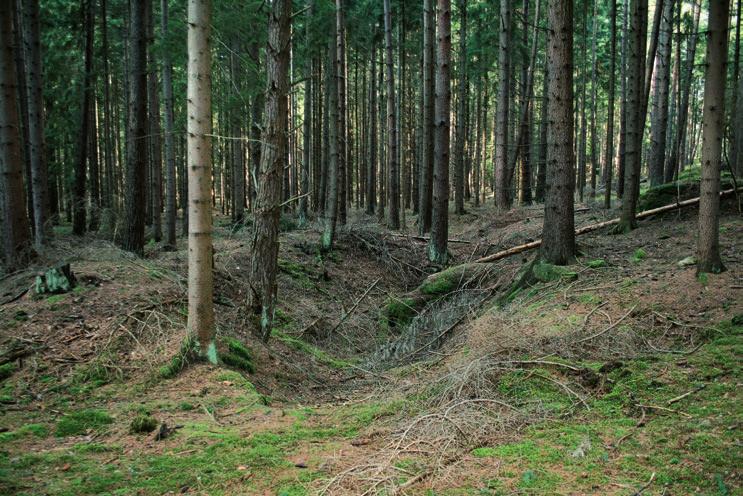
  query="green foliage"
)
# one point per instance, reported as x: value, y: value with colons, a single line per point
x: 143, y: 424
x: 639, y: 255
x: 6, y: 370
x: 76, y: 423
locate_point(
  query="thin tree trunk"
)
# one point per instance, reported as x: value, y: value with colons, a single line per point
x: 437, y: 247
x: 170, y: 186
x: 736, y: 147
x: 426, y: 168
x: 371, y: 173
x: 393, y: 218
x: 461, y: 119
x: 542, y: 159
x: 155, y: 140
x: 501, y: 126
x: 109, y: 143
x: 594, y: 83
x: 307, y: 156
x: 331, y: 205
x: 93, y: 169
x: 661, y: 84
x: 609, y: 157
x: 342, y: 121
x: 708, y: 247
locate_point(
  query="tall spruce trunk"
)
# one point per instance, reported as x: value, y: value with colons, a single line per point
x: 136, y: 143
x: 110, y: 164
x: 155, y: 140
x: 199, y: 130
x: 594, y: 97
x: 501, y: 186
x: 331, y: 204
x: 459, y: 158
x: 583, y: 125
x: 736, y: 146
x: 623, y: 109
x: 236, y: 146
x: 340, y: 37
x: 265, y: 243
x: 94, y: 169
x: 635, y: 80
x: 708, y: 247
x: 307, y: 156
x: 540, y: 191
x: 609, y: 156
x: 79, y: 200
x: 393, y: 212
x: 15, y: 226
x: 36, y: 152
x: 661, y: 85
x: 437, y: 246
x: 169, y: 141
x: 558, y: 233
x: 371, y: 173
x: 427, y: 127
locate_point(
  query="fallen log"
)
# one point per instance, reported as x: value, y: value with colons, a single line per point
x: 593, y: 227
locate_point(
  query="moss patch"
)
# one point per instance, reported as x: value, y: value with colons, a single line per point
x: 142, y: 424
x: 6, y: 370
x: 398, y: 312
x: 76, y: 423
x: 238, y: 355
x: 545, y: 272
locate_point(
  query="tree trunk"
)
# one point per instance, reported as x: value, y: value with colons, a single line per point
x: 36, y: 156
x: 331, y: 205
x: 78, y: 221
x: 502, y: 196
x: 609, y: 157
x: 558, y: 238
x: 265, y: 244
x: 437, y: 247
x: 199, y: 129
x: 256, y: 123
x: 155, y: 140
x: 583, y: 125
x: 736, y: 147
x: 170, y: 186
x: 307, y: 156
x: 426, y: 168
x: 542, y: 159
x: 94, y: 169
x: 594, y: 83
x: 136, y: 148
x: 708, y: 247
x: 661, y: 84
x: 15, y: 225
x: 342, y: 121
x: 635, y: 79
x: 393, y: 218
x: 109, y: 142
x: 623, y: 109
x: 461, y: 111
x: 371, y: 173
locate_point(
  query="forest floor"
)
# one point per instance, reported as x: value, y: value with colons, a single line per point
x: 620, y: 375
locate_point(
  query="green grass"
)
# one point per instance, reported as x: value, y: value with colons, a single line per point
x: 79, y: 422
x: 639, y: 255
x: 6, y: 370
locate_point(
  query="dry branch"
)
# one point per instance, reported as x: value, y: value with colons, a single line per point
x: 593, y: 227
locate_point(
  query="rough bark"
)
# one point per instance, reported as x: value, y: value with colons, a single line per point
x: 708, y: 247
x: 736, y: 147
x: 307, y: 156
x: 427, y: 127
x: 393, y: 213
x: 502, y: 106
x: 265, y: 242
x: 459, y: 158
x: 340, y: 37
x: 539, y: 192
x: 371, y: 172
x: 15, y: 226
x: 168, y: 118
x: 558, y: 236
x: 331, y: 204
x: 437, y: 247
x: 36, y: 156
x: 136, y: 144
x: 609, y: 156
x: 661, y: 85
x: 155, y: 140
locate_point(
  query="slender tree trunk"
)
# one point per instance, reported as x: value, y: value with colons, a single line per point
x: 170, y: 186
x: 36, y: 156
x: 583, y: 126
x: 136, y: 143
x: 461, y: 120
x: 78, y: 221
x: 661, y: 84
x: 393, y: 218
x: 674, y: 162
x: 15, y: 225
x: 609, y: 157
x: 558, y: 233
x: 479, y: 121
x: 331, y: 205
x: 265, y: 245
x: 426, y: 168
x: 708, y: 247
x: 371, y: 173
x: 437, y: 246
x: 199, y: 130
x: 501, y: 126
x: 623, y: 110
x: 342, y: 121
x: 736, y: 147
x: 94, y: 170
x: 109, y: 142
x: 307, y: 126
x: 155, y: 140
x: 256, y: 124
x: 594, y: 83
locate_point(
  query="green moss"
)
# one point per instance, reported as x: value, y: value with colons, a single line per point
x: 143, y: 424
x: 6, y: 370
x: 76, y: 423
x: 398, y: 312
x: 37, y: 430
x: 596, y: 264
x: 442, y: 283
x: 238, y: 356
x: 305, y: 347
x: 545, y: 272
x: 185, y: 354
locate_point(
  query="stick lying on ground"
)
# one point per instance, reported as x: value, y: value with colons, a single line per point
x: 593, y: 227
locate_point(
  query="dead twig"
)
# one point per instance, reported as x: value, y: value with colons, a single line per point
x: 612, y: 326
x: 681, y: 397
x: 647, y: 485
x: 351, y: 310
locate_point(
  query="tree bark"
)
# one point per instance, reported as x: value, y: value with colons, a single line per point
x: 609, y: 157
x: 393, y: 212
x: 736, y: 147
x: 459, y: 158
x: 307, y: 156
x: 437, y: 247
x: 170, y: 186
x: 708, y: 247
x: 331, y: 205
x: 36, y: 156
x: 558, y: 245
x: 342, y: 118
x: 661, y: 85
x: 371, y: 173
x: 426, y: 168
x: 15, y: 225
x: 501, y: 187
x: 155, y: 140
x: 199, y: 130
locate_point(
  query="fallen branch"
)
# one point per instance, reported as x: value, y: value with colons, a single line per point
x: 593, y: 227
x: 348, y: 314
x: 679, y: 398
x: 588, y: 338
